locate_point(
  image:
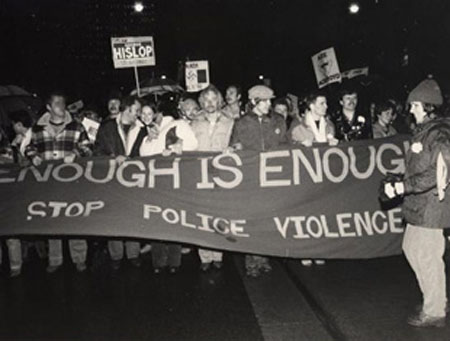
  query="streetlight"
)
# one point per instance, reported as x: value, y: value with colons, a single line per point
x: 138, y: 7
x: 163, y: 77
x: 261, y: 77
x: 353, y: 8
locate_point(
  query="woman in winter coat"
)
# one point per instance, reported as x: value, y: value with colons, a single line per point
x: 426, y: 206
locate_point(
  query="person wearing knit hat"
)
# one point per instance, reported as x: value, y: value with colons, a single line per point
x: 425, y: 207
x: 427, y: 91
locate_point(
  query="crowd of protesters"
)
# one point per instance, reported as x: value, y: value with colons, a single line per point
x: 136, y: 127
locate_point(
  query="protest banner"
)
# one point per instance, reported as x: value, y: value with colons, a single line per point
x: 319, y: 202
x: 349, y: 74
x: 133, y: 52
x: 326, y: 67
x: 197, y: 75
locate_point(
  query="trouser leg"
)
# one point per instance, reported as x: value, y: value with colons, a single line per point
x: 160, y: 254
x: 115, y: 248
x: 174, y: 256
x: 15, y: 253
x: 78, y: 250
x: 132, y: 249
x: 55, y: 255
x: 424, y: 248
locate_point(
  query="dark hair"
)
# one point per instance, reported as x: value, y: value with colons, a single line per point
x: 347, y: 91
x: 311, y: 98
x: 152, y: 105
x: 128, y: 102
x: 21, y: 116
x: 114, y: 94
x: 281, y: 101
x: 430, y: 108
x: 55, y: 93
x: 384, y: 106
x: 237, y: 87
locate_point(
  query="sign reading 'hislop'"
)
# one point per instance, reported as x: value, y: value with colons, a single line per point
x: 133, y: 52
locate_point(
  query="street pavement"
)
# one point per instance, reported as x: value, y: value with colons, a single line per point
x: 341, y: 300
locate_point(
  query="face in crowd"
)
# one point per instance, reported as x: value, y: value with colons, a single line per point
x: 189, y: 108
x: 114, y: 106
x: 132, y: 112
x: 418, y: 111
x: 211, y: 102
x: 386, y: 117
x: 282, y: 110
x: 349, y: 102
x: 147, y: 114
x: 57, y: 106
x: 262, y: 106
x: 232, y: 96
x: 319, y: 106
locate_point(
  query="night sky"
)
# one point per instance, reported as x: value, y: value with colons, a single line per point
x: 64, y: 44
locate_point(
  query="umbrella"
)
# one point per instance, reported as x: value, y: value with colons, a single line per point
x: 13, y: 98
x: 157, y: 86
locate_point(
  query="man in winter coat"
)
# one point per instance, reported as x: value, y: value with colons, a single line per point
x: 426, y: 212
x: 257, y: 130
x: 350, y: 125
x: 213, y: 131
x: 56, y: 136
x: 121, y: 138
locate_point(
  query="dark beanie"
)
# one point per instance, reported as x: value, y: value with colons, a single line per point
x: 427, y: 91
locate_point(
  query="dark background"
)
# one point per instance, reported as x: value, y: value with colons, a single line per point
x: 65, y: 44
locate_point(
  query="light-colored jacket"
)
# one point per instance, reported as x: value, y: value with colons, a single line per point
x: 213, y: 136
x: 157, y: 145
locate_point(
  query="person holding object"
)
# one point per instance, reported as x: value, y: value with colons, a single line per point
x: 314, y: 128
x: 213, y: 131
x: 425, y: 206
x: 55, y: 136
x: 168, y: 135
x: 121, y: 137
x: 260, y: 131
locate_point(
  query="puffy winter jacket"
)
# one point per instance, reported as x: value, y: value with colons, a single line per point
x: 421, y: 205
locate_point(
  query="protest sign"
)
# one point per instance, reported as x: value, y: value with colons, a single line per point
x: 319, y: 202
x: 91, y: 128
x: 349, y: 74
x: 326, y: 67
x: 133, y: 52
x: 197, y: 75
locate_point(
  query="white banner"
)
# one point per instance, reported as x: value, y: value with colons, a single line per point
x: 197, y: 75
x: 349, y: 74
x: 133, y: 52
x: 326, y: 67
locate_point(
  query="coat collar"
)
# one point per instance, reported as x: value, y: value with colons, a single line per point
x: 44, y: 121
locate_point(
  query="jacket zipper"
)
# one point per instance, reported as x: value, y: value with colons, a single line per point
x: 261, y: 134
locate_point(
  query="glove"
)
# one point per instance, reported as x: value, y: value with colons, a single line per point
x: 391, y: 186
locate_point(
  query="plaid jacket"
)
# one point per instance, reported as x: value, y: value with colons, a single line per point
x: 50, y: 146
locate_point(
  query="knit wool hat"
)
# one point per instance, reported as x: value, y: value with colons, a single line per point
x: 427, y: 91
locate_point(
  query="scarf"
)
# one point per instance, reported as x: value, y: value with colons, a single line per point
x: 320, y: 133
